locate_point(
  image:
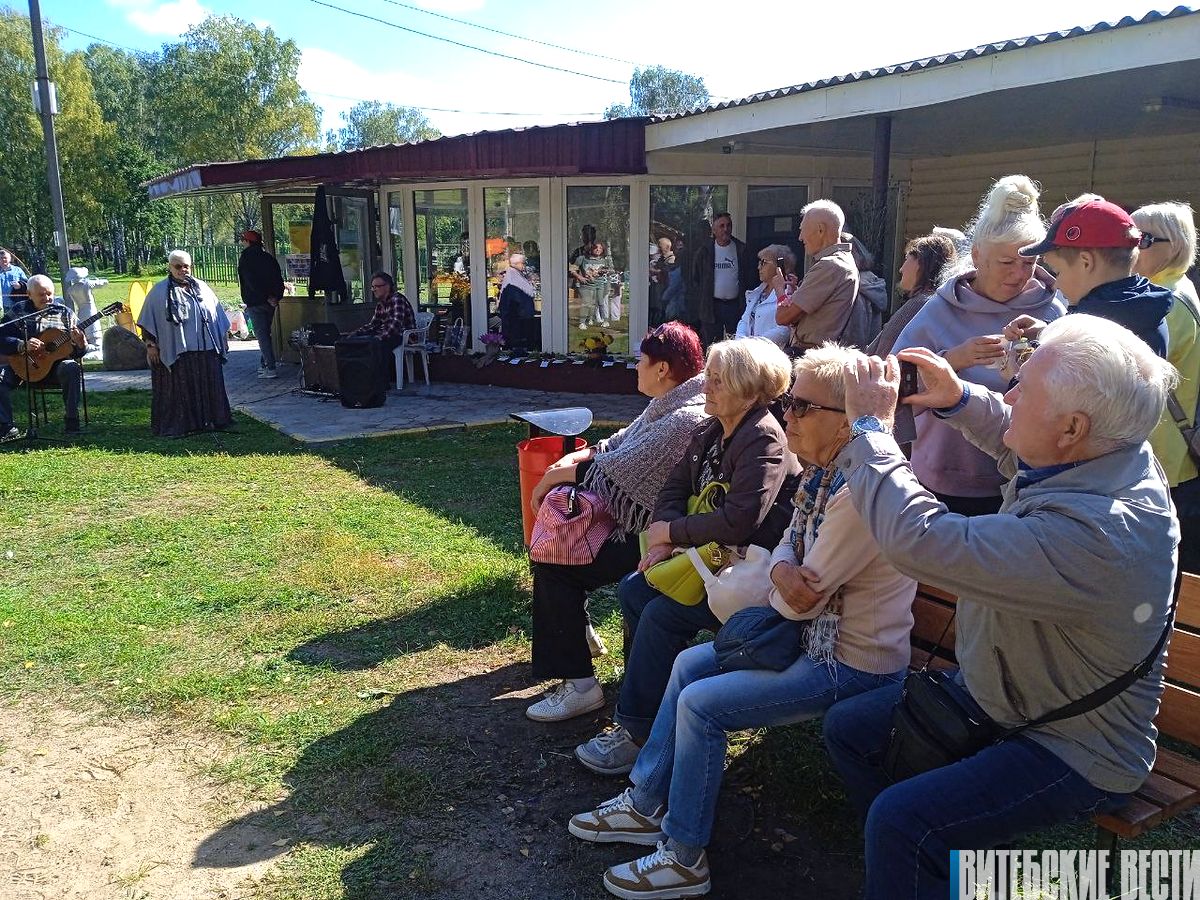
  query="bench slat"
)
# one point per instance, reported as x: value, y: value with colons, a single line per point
x: 1178, y: 768
x: 1163, y: 792
x: 1183, y: 658
x: 1188, y: 611
x: 1134, y: 818
x: 932, y: 619
x: 1179, y: 714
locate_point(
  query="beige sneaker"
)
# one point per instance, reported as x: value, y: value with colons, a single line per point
x: 659, y: 875
x: 616, y: 821
x: 564, y: 702
x: 594, y: 643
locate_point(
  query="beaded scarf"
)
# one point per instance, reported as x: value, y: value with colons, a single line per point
x: 816, y: 487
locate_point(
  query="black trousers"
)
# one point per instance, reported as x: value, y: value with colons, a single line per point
x: 560, y: 618
x: 971, y: 506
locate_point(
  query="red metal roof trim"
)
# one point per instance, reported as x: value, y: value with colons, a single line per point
x: 615, y: 147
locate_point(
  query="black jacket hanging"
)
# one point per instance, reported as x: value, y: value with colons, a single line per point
x: 325, y: 267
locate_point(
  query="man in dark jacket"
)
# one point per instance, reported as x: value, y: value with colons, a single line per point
x: 722, y: 272
x: 1091, y: 245
x: 262, y: 286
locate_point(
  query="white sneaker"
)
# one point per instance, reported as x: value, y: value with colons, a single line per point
x: 595, y: 644
x: 612, y: 752
x: 268, y: 373
x: 565, y: 702
x: 659, y: 875
x: 617, y: 821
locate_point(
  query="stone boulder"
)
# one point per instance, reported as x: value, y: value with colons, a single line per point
x: 123, y: 350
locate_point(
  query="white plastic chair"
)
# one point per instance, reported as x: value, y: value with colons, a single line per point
x: 412, y: 342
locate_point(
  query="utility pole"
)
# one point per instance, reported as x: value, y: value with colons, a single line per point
x: 47, y: 114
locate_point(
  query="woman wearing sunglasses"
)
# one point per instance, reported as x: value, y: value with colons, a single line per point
x: 1167, y: 251
x: 827, y: 570
x: 759, y: 318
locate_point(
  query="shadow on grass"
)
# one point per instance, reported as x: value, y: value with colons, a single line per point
x: 473, y: 617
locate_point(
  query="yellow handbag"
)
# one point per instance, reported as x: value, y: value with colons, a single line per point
x: 679, y: 577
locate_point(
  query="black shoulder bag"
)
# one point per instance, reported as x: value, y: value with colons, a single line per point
x: 937, y: 723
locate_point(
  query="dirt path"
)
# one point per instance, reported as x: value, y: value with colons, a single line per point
x: 106, y: 810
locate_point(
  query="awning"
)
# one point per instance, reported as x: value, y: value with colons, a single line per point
x: 590, y: 148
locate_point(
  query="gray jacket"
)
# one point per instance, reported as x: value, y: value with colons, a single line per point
x: 1068, y: 587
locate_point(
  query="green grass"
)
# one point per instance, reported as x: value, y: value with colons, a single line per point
x: 118, y: 289
x: 311, y: 606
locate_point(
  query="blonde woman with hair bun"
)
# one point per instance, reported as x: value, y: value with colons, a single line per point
x: 964, y: 321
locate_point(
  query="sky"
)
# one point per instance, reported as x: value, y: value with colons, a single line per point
x: 737, y: 48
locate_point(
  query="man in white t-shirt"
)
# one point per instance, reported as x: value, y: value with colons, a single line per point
x: 721, y: 275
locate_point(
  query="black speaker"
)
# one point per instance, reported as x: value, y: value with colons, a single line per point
x: 362, y: 375
x: 321, y: 334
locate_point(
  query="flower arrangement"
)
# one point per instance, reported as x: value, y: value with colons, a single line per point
x: 491, y: 339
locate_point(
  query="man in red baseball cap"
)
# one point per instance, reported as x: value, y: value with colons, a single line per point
x: 1091, y: 246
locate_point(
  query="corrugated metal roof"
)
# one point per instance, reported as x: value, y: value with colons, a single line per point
x: 587, y: 148
x: 933, y: 61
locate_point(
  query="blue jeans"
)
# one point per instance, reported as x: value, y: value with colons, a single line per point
x: 682, y: 763
x: 660, y: 629
x: 1000, y: 793
x: 261, y: 317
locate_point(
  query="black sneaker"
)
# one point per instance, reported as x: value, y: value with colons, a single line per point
x: 11, y: 433
x: 72, y: 426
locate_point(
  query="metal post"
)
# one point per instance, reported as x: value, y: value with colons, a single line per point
x: 880, y: 173
x: 43, y: 86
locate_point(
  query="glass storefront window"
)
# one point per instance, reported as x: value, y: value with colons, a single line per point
x: 512, y: 224
x: 396, y: 236
x: 597, y: 268
x: 680, y: 221
x: 293, y: 242
x: 443, y: 254
x: 351, y: 228
x: 773, y: 216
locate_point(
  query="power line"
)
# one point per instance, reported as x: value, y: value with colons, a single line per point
x: 473, y: 112
x: 519, y: 37
x: 92, y: 36
x: 467, y: 46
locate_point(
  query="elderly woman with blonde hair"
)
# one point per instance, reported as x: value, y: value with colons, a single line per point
x: 186, y: 333
x: 964, y: 322
x: 827, y: 570
x: 1167, y: 251
x: 743, y: 448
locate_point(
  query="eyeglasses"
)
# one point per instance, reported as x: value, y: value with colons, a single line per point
x: 657, y: 333
x: 1149, y: 240
x: 800, y: 408
x: 378, y: 284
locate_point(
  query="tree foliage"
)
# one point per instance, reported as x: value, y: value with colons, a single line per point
x: 225, y: 90
x: 659, y: 91
x: 370, y: 123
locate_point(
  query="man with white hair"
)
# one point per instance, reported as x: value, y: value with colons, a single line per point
x: 1064, y: 591
x: 819, y: 308
x: 66, y: 372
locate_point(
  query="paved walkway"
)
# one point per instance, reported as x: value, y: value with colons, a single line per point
x: 305, y: 417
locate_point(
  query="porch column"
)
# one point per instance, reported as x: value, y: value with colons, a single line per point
x: 880, y: 173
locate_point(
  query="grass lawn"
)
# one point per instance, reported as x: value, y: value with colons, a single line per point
x: 118, y: 289
x: 333, y: 612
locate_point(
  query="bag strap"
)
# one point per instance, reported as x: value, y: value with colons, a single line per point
x: 1102, y: 695
x: 1186, y: 428
x: 698, y: 563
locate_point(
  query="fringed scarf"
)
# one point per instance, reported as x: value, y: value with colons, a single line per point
x: 630, y: 468
x: 816, y: 487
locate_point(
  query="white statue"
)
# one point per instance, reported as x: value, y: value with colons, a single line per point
x: 77, y: 290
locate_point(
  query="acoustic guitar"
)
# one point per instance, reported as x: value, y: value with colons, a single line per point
x: 57, y: 345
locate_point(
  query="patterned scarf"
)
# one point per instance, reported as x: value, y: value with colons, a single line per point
x: 817, y: 485
x: 631, y: 467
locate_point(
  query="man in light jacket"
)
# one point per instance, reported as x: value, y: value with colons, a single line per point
x: 1064, y: 590
x: 819, y: 308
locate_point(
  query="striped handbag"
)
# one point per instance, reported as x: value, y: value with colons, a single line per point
x: 570, y: 527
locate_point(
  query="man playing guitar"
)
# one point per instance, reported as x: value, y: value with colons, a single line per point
x: 67, y: 371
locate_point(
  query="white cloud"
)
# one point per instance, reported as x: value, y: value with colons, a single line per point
x: 168, y: 19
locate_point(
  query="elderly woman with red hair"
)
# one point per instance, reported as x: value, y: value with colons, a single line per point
x: 626, y: 472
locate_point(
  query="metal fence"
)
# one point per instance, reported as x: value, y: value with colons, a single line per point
x: 218, y: 262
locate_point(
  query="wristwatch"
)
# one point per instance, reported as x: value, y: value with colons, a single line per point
x: 865, y: 424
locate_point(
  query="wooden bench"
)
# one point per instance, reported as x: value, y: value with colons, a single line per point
x: 1173, y: 786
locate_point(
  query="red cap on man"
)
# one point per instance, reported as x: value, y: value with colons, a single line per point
x: 251, y: 237
x: 1087, y: 224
